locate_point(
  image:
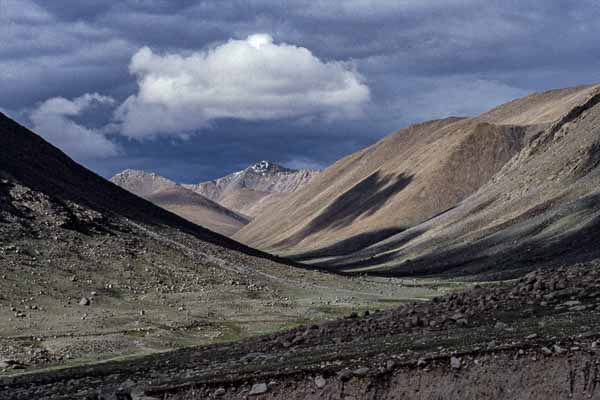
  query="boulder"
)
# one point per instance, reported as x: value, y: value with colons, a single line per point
x: 259, y: 388
x: 455, y: 362
x: 320, y: 382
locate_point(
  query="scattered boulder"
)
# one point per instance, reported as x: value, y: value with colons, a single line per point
x: 345, y: 375
x: 259, y: 388
x: 455, y: 362
x: 320, y: 382
x: 500, y: 325
x: 114, y: 395
x: 557, y: 349
x: 84, y: 301
x: 6, y: 364
x: 361, y: 371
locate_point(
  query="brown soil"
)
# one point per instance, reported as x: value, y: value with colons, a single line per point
x: 181, y: 201
x: 510, y: 190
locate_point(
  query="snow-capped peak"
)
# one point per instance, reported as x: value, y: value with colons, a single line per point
x: 262, y: 167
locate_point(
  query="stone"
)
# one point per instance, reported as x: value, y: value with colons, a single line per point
x: 546, y: 351
x: 457, y: 316
x: 7, y: 363
x: 345, y: 375
x: 220, y: 392
x: 532, y: 336
x: 500, y: 325
x: 557, y: 349
x: 539, y: 285
x: 320, y: 382
x: 455, y: 362
x: 259, y: 388
x: 138, y: 393
x: 360, y: 371
x: 114, y: 395
x: 578, y: 308
x: 421, y: 362
x: 84, y: 301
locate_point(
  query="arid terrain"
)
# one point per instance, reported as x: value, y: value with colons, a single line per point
x: 511, y: 189
x: 255, y: 189
x: 456, y: 258
x: 181, y: 201
x: 533, y: 338
x: 92, y: 272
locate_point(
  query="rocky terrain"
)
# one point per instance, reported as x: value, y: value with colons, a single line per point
x: 89, y: 271
x: 487, y: 197
x: 181, y: 201
x: 533, y: 338
x: 256, y: 188
x: 480, y: 276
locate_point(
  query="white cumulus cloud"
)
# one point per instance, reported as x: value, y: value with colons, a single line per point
x: 52, y: 119
x: 251, y: 79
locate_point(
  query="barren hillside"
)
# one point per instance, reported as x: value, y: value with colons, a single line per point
x: 181, y: 201
x: 90, y: 271
x: 255, y: 188
x: 446, y: 194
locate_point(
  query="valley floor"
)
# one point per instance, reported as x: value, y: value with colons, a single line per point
x: 532, y: 338
x: 64, y: 306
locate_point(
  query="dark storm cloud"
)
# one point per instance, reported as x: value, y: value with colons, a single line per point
x: 420, y: 59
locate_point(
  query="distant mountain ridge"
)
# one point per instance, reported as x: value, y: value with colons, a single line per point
x: 179, y: 200
x: 255, y: 188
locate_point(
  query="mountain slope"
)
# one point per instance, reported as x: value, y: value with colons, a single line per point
x: 92, y: 271
x: 181, y: 201
x: 398, y: 182
x: 255, y: 188
x: 448, y: 195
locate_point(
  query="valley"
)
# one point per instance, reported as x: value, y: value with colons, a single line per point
x: 440, y: 255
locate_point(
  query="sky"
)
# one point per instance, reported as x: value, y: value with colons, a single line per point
x: 194, y: 90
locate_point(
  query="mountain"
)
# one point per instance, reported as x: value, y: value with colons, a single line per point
x: 181, y: 201
x: 256, y: 188
x: 91, y: 271
x: 513, y: 188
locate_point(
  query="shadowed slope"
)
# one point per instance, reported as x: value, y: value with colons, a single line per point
x: 541, y: 208
x: 512, y: 188
x: 29, y: 160
x: 399, y: 182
